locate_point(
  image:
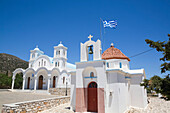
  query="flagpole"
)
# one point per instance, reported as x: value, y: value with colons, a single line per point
x: 101, y: 31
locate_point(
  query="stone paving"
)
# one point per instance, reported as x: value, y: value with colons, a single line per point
x: 64, y: 108
x: 7, y: 97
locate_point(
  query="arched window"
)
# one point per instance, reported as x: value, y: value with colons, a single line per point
x: 107, y: 64
x: 58, y: 64
x: 44, y: 63
x: 91, y: 74
x: 55, y: 64
x: 33, y: 55
x: 63, y: 52
x: 120, y: 64
x: 39, y: 63
x: 63, y: 80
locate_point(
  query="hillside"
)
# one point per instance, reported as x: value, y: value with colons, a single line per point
x: 8, y: 63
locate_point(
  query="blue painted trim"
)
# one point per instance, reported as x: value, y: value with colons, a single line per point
x: 128, y: 77
x: 90, y: 77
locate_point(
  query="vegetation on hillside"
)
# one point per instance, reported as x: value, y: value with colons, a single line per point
x: 8, y: 63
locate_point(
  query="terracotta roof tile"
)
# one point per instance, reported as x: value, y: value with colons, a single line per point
x: 113, y: 53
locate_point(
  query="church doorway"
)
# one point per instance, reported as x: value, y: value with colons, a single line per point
x: 92, y: 97
x: 40, y: 83
x: 28, y: 84
x: 54, y: 82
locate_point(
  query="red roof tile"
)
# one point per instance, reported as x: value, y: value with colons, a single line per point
x: 113, y: 53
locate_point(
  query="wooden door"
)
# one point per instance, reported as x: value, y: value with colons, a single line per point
x: 54, y: 82
x: 28, y: 84
x: 40, y: 83
x: 92, y: 97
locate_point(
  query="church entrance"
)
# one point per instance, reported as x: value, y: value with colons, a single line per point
x: 92, y: 97
x: 40, y: 83
x: 54, y: 82
x: 28, y: 84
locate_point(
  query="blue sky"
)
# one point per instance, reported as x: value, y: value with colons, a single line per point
x: 27, y: 23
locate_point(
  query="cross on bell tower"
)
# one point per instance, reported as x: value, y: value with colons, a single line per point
x: 90, y: 36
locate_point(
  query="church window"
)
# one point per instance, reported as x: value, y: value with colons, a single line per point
x: 39, y: 63
x: 58, y: 64
x: 44, y: 63
x: 91, y: 74
x: 58, y: 53
x: 63, y: 80
x: 107, y: 64
x: 33, y: 55
x: 120, y: 64
x: 55, y: 64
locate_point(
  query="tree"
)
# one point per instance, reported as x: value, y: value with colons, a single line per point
x: 18, y: 81
x: 156, y: 83
x: 146, y: 85
x: 166, y: 86
x: 163, y: 47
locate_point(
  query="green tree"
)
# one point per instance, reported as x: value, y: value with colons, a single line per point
x: 146, y: 85
x: 156, y: 83
x: 166, y: 86
x: 5, y: 81
x: 163, y: 47
x: 18, y: 81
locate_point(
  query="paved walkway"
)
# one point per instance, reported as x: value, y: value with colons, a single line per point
x: 63, y: 108
x: 7, y: 97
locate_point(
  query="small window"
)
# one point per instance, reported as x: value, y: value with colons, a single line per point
x: 56, y: 64
x: 120, y: 64
x: 44, y: 63
x: 57, y: 52
x: 39, y: 63
x: 33, y: 55
x: 91, y: 74
x: 63, y: 80
x: 107, y: 64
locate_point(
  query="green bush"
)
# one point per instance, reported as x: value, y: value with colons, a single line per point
x: 5, y: 81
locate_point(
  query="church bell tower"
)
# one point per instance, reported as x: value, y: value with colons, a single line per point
x: 91, y: 47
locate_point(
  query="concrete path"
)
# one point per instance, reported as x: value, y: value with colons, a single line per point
x: 7, y: 97
x: 63, y: 108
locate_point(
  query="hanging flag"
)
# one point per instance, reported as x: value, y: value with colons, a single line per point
x: 111, y: 24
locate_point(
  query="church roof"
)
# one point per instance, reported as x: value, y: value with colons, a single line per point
x: 113, y: 53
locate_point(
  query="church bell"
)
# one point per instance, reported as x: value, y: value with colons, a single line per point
x: 90, y: 50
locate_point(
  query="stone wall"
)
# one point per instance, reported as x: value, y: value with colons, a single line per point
x: 59, y: 91
x: 35, y: 105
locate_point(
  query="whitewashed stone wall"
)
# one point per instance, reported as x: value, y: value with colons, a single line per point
x: 35, y: 105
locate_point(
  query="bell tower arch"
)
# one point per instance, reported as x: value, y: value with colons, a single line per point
x: 90, y: 47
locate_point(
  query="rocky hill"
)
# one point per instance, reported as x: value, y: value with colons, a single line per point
x: 8, y: 63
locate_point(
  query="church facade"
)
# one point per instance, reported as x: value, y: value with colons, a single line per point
x: 46, y: 72
x: 105, y: 84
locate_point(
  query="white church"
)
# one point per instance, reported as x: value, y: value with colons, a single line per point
x: 100, y: 82
x: 46, y: 72
x: 104, y: 82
